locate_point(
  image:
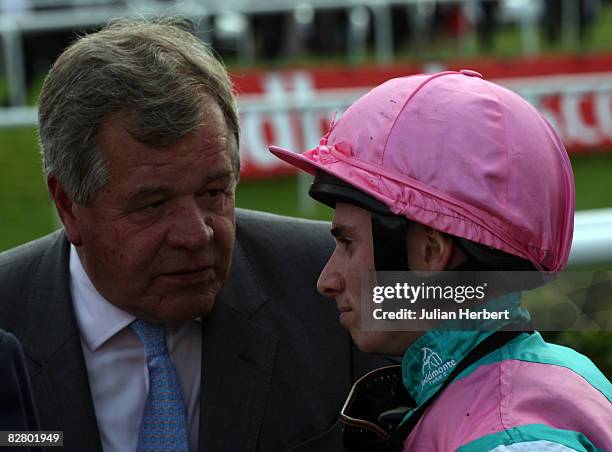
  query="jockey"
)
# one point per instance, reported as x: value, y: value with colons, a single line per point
x: 448, y: 171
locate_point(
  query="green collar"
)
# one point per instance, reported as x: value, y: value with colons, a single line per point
x: 433, y: 356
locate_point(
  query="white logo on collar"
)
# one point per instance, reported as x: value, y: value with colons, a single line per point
x: 434, y: 370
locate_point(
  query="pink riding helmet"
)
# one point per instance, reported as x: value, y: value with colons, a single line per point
x: 459, y: 154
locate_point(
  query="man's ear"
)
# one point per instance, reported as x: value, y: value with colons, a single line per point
x: 438, y: 250
x: 67, y: 210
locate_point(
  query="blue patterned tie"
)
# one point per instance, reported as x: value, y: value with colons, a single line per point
x: 164, y: 424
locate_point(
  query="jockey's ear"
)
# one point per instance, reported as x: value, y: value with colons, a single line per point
x: 429, y: 249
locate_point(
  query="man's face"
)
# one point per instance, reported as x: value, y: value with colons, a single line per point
x: 157, y: 240
x: 342, y: 276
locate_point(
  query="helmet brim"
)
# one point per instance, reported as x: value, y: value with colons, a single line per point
x: 296, y: 160
x: 328, y: 188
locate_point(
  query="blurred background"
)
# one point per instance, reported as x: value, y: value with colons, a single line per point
x: 297, y: 63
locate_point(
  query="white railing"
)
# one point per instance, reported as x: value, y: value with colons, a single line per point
x: 592, y: 237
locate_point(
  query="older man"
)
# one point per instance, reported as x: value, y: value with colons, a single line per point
x: 158, y: 318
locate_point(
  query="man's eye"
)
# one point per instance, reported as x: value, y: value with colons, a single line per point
x: 344, y: 242
x: 215, y: 192
x: 155, y: 205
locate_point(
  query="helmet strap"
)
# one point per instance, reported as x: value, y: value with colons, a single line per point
x: 389, y: 240
x: 390, y: 253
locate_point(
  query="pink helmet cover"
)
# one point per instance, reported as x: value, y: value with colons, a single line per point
x: 459, y: 154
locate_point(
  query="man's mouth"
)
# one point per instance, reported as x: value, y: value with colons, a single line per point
x: 191, y: 274
x: 342, y: 309
x: 345, y: 315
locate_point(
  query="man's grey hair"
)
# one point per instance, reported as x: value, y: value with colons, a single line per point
x: 157, y: 72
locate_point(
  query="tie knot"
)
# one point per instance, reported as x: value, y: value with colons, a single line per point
x: 152, y: 336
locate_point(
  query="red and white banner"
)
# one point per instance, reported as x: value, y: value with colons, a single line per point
x: 293, y: 109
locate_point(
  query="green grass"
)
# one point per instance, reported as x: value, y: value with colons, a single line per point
x: 4, y: 91
x: 593, y: 176
x: 601, y: 37
x: 25, y: 209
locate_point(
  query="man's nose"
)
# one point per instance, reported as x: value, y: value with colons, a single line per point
x: 331, y: 282
x: 191, y: 228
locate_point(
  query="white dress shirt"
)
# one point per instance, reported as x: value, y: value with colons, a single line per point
x: 116, y: 364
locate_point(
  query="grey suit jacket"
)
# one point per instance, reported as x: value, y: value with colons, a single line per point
x: 276, y: 366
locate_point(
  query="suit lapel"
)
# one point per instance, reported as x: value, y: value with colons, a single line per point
x: 238, y: 358
x: 52, y: 345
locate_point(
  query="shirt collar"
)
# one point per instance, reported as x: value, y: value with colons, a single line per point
x: 429, y: 361
x: 97, y: 318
